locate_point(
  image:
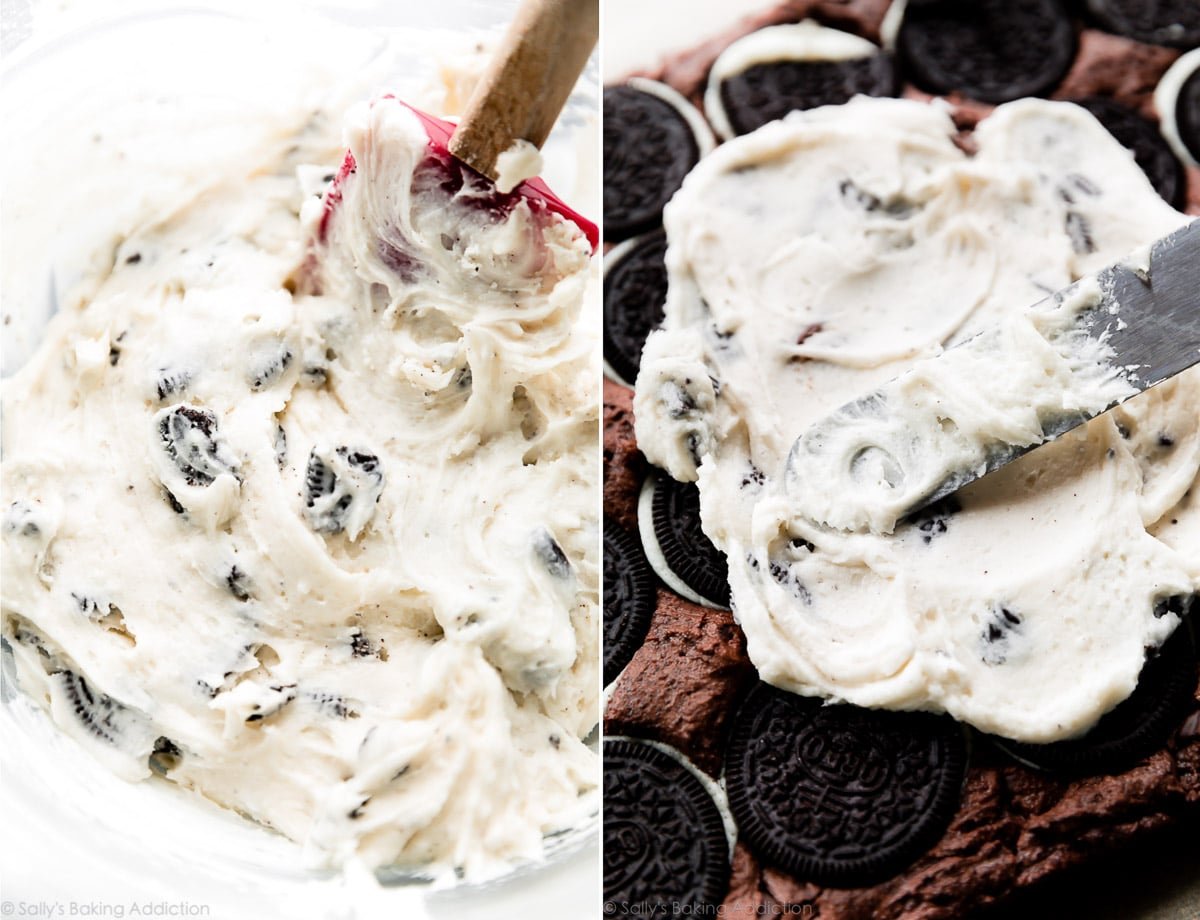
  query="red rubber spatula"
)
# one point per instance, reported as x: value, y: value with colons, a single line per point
x: 522, y: 92
x: 518, y: 97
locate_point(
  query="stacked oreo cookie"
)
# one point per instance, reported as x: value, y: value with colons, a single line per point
x: 857, y: 813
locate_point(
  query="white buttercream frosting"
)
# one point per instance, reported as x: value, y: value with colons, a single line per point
x: 305, y: 484
x: 1034, y: 373
x: 521, y: 160
x: 826, y: 254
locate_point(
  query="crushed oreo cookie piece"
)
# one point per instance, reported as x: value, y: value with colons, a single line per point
x: 269, y: 367
x: 271, y: 701
x: 103, y: 717
x: 999, y: 632
x: 1079, y: 231
x: 173, y: 502
x: 22, y: 519
x: 332, y: 704
x: 190, y: 437
x: 280, y: 446
x: 934, y: 520
x: 550, y: 554
x: 171, y: 380
x: 342, y: 487
x: 165, y: 757
x: 238, y: 583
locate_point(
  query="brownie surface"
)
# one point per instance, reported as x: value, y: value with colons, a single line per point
x: 682, y: 684
x: 624, y: 465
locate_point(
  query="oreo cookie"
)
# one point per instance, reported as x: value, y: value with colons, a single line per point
x: 1187, y: 114
x: 990, y: 50
x: 650, y: 143
x: 1149, y: 147
x: 1163, y: 22
x: 1135, y: 728
x: 777, y: 70
x: 629, y: 597
x: 665, y: 850
x: 635, y: 289
x: 839, y: 795
x: 676, y: 545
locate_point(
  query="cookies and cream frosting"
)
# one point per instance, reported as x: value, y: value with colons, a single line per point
x: 822, y: 256
x: 299, y: 504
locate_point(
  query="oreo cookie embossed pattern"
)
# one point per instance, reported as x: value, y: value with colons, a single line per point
x: 664, y: 839
x: 629, y: 594
x: 767, y: 91
x: 688, y: 553
x: 990, y: 50
x: 635, y: 289
x: 837, y: 793
x: 649, y: 147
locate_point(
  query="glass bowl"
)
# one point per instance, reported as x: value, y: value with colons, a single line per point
x: 77, y: 836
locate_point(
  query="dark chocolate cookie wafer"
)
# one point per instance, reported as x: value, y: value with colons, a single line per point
x: 1156, y: 22
x: 1136, y: 727
x: 649, y: 146
x: 629, y: 597
x: 991, y: 50
x: 665, y: 851
x: 766, y: 92
x: 1149, y: 147
x: 688, y: 553
x: 836, y: 794
x: 1187, y: 114
x: 635, y: 289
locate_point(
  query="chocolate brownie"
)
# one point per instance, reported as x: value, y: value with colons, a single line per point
x: 1018, y: 830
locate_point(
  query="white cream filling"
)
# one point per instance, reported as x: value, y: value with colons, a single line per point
x: 520, y: 161
x: 1166, y: 97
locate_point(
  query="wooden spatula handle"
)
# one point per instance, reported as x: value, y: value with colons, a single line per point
x: 528, y: 80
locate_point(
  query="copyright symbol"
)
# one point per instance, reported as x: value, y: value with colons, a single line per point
x: 8, y: 908
x: 610, y: 908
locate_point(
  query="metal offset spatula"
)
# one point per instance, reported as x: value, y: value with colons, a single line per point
x: 860, y: 468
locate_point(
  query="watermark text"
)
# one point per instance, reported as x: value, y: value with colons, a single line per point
x: 103, y: 910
